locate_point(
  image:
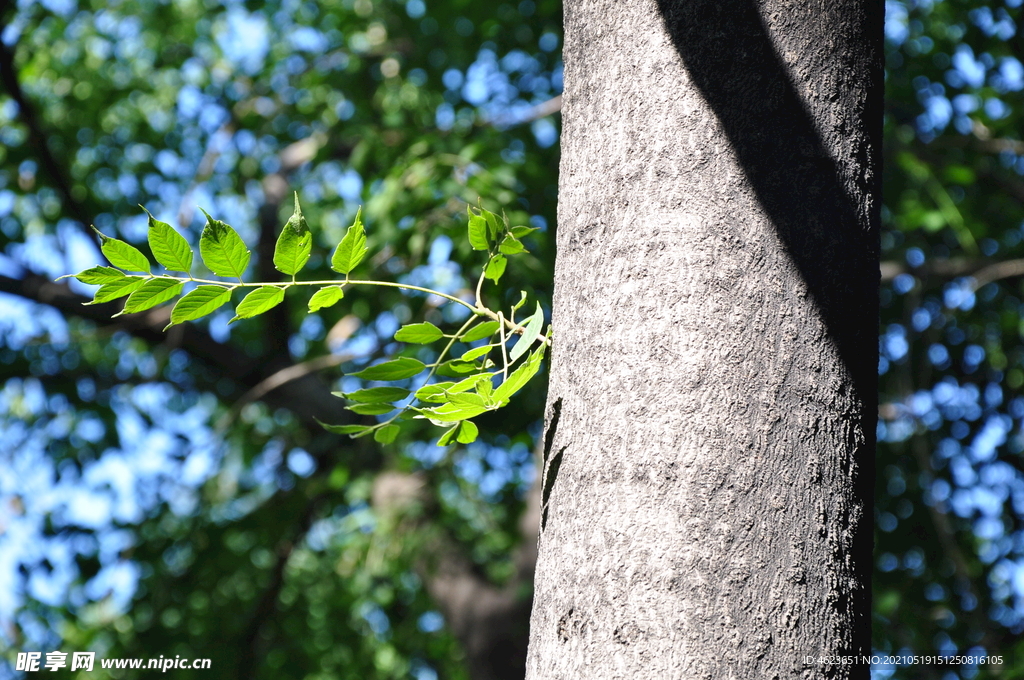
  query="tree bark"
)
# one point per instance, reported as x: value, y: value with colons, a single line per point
x: 706, y: 507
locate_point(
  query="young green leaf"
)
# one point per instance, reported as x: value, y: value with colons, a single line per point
x: 169, y: 247
x: 419, y: 333
x: 222, y: 249
x: 477, y: 231
x: 199, y: 302
x: 122, y: 255
x: 457, y: 367
x: 449, y: 436
x: 495, y: 267
x: 325, y: 297
x: 477, y: 353
x: 533, y: 328
x: 450, y: 413
x: 353, y: 431
x: 150, y: 294
x: 510, y: 246
x: 258, y: 301
x: 294, y: 244
x: 467, y: 399
x: 468, y: 432
x: 97, y: 275
x: 352, y: 249
x: 485, y: 388
x: 480, y: 331
x: 520, y: 232
x: 386, y: 434
x: 434, y: 393
x: 469, y: 383
x: 519, y: 377
x: 374, y: 395
x: 371, y: 409
x: 493, y: 224
x: 522, y: 301
x: 117, y: 289
x: 396, y: 369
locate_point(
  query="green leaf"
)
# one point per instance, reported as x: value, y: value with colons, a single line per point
x: 169, y: 247
x: 434, y: 393
x: 258, y: 301
x: 533, y: 328
x: 495, y: 267
x: 371, y: 409
x: 449, y: 435
x: 294, y: 244
x: 419, y: 333
x: 510, y: 246
x: 470, y: 383
x: 467, y: 432
x: 468, y: 399
x: 477, y: 231
x: 450, y: 413
x: 98, y: 275
x: 325, y: 297
x: 375, y: 395
x: 477, y: 353
x: 386, y: 434
x: 493, y: 224
x: 150, y: 294
x: 352, y: 249
x: 457, y: 367
x: 353, y: 431
x: 396, y: 369
x: 116, y: 289
x: 222, y: 249
x: 519, y: 377
x: 199, y: 302
x: 520, y: 232
x: 522, y: 301
x: 485, y: 388
x: 481, y: 331
x: 122, y: 255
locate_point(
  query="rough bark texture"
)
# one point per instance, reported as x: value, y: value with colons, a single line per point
x: 706, y: 509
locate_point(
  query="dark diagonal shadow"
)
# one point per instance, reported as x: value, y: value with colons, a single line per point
x: 730, y: 57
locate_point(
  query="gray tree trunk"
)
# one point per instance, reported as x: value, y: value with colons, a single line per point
x: 710, y: 436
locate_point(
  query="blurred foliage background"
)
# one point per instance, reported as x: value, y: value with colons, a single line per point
x: 170, y: 494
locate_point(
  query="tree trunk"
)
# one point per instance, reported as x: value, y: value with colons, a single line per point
x: 710, y: 438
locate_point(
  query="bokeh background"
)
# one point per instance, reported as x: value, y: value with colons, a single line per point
x: 170, y: 493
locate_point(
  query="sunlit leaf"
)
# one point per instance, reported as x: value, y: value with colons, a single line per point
x: 477, y: 231
x: 519, y: 377
x: 97, y: 275
x: 325, y: 297
x: 116, y: 289
x: 169, y: 247
x: 351, y: 430
x: 258, y: 301
x: 150, y: 294
x: 495, y: 267
x: 352, y: 249
x: 376, y: 394
x: 123, y: 255
x: 371, y: 409
x: 386, y: 434
x: 294, y: 244
x: 396, y: 369
x: 480, y: 331
x: 419, y: 333
x: 533, y: 328
x: 222, y: 249
x: 199, y: 302
x: 510, y: 246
